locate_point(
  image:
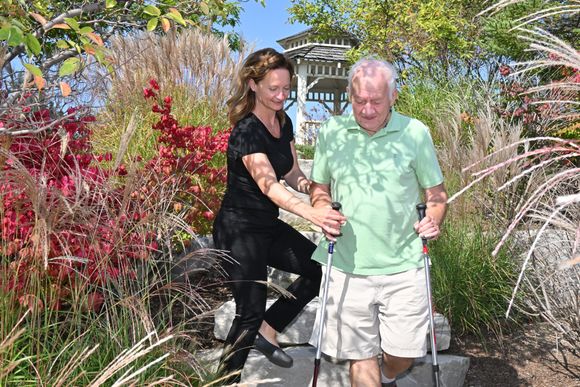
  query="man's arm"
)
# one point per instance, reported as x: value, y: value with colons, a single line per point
x: 320, y: 195
x: 436, y: 200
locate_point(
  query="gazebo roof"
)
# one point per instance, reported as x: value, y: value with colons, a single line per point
x: 284, y: 41
x: 318, y: 52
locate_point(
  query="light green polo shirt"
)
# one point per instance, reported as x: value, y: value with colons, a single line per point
x: 378, y: 180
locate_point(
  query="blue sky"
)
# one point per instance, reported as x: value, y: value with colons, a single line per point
x: 264, y: 25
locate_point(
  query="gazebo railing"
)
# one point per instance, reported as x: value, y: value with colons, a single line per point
x: 308, y: 132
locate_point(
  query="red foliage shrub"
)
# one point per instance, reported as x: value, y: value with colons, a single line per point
x: 69, y: 221
x: 193, y: 157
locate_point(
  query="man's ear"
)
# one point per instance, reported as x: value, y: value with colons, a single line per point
x: 395, y: 95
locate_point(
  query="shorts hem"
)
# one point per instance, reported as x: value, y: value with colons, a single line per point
x: 357, y: 356
x: 348, y: 355
x: 408, y: 353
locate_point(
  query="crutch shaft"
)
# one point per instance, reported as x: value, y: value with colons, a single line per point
x: 421, y: 209
x: 324, y: 298
x: 335, y: 206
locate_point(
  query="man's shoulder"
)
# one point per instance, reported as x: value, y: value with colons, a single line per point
x: 411, y: 125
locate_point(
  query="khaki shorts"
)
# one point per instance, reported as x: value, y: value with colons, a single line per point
x: 367, y: 313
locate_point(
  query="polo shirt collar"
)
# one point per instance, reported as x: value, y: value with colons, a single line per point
x: 392, y: 125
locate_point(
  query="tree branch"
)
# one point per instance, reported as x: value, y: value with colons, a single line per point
x: 85, y: 9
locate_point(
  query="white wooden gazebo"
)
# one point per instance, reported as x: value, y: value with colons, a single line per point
x: 321, y: 76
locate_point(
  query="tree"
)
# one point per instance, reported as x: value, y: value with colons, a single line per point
x: 43, y: 42
x: 437, y: 39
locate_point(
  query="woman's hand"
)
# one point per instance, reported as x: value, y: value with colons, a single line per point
x: 329, y: 220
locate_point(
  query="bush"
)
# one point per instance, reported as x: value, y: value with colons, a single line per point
x: 305, y: 151
x: 84, y: 296
x: 471, y: 287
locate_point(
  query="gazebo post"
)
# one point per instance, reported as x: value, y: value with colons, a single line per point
x: 321, y: 76
x: 301, y: 92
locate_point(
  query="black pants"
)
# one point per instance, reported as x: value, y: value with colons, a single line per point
x: 258, y: 240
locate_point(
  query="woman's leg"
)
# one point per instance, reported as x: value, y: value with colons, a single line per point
x: 291, y: 252
x: 248, y: 248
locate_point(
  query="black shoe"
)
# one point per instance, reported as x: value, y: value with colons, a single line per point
x: 275, y: 354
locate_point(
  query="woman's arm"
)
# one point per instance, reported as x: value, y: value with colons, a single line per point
x: 263, y: 174
x: 296, y: 178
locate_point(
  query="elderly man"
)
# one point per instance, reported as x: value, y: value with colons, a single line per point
x: 377, y: 163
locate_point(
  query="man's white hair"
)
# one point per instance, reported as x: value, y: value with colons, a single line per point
x: 379, y: 63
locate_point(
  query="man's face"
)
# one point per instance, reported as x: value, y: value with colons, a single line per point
x: 370, y: 98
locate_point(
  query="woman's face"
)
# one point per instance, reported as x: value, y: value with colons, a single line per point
x: 272, y: 91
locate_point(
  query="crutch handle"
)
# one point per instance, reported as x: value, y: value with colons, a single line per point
x: 421, y: 208
x: 336, y: 206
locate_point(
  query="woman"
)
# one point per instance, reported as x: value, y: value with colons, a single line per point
x: 260, y: 152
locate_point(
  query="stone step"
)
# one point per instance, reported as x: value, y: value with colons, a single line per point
x: 299, y: 330
x: 260, y: 372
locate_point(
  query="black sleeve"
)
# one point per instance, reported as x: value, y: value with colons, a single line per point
x: 247, y: 138
x: 289, y: 128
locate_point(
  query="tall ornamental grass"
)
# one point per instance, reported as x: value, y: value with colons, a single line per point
x: 471, y: 286
x: 197, y: 69
x: 88, y: 255
x: 548, y: 169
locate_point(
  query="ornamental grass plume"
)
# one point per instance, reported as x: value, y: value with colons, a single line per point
x: 195, y: 68
x: 549, y: 168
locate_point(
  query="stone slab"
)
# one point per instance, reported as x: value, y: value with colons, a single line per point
x: 260, y: 372
x: 300, y: 329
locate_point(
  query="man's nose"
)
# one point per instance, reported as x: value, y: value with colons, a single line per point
x: 368, y: 108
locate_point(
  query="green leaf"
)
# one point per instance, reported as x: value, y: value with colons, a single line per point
x: 175, y: 17
x: 85, y: 30
x: 99, y: 55
x: 4, y: 33
x: 152, y: 24
x: 110, y: 3
x: 72, y: 23
x: 69, y: 66
x: 15, y: 36
x: 33, y: 69
x: 62, y: 44
x: 17, y: 23
x: 152, y: 10
x: 32, y: 43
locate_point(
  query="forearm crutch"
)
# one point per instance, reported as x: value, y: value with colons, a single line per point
x: 421, y: 208
x: 335, y: 206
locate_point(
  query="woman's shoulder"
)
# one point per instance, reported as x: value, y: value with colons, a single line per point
x: 288, y: 126
x: 249, y: 122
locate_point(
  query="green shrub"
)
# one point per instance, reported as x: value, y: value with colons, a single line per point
x: 470, y: 286
x: 305, y: 151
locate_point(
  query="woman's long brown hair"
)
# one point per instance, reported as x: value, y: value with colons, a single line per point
x: 256, y: 67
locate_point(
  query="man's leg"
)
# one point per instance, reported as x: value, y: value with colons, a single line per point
x: 394, y: 366
x: 365, y: 373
